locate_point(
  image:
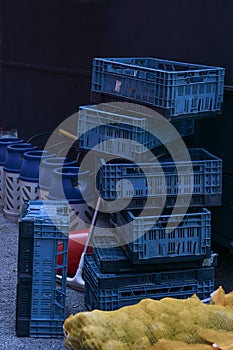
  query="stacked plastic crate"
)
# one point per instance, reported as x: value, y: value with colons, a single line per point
x: 143, y: 258
x: 43, y: 249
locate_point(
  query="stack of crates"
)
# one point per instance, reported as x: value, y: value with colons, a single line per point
x: 140, y: 257
x: 42, y: 250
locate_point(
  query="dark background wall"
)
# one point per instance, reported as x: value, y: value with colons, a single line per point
x: 47, y: 49
x: 48, y: 46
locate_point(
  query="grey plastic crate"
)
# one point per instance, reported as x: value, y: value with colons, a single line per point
x: 147, y: 240
x: 108, y: 123
x: 203, y: 181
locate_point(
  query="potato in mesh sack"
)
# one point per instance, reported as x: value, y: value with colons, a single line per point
x: 220, y: 298
x: 153, y: 325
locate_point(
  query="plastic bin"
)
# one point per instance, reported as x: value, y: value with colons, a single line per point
x: 29, y: 175
x: 12, y: 166
x: 69, y: 183
x: 205, y: 186
x: 4, y: 142
x: 111, y: 258
x: 112, y: 291
x: 43, y: 237
x: 97, y: 124
x: 176, y: 88
x: 146, y: 239
x: 46, y: 173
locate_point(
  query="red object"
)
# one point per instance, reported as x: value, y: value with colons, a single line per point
x: 77, y: 240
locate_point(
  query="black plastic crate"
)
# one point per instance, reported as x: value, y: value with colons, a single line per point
x: 25, y: 248
x: 111, y: 258
x: 112, y: 291
x: 23, y: 306
x: 108, y: 281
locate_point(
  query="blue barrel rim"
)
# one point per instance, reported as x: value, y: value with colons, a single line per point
x: 10, y: 140
x: 17, y: 147
x: 49, y: 161
x: 67, y: 171
x: 35, y: 154
x: 53, y: 162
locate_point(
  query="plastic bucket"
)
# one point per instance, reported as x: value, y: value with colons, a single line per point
x: 77, y: 241
x: 46, y: 173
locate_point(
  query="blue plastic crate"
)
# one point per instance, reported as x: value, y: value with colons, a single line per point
x: 176, y: 88
x: 97, y: 124
x: 48, y: 328
x: 147, y: 240
x: 46, y: 224
x: 206, y: 186
x: 112, y: 291
x: 111, y: 258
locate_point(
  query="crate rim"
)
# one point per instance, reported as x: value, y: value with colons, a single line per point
x: 93, y: 108
x: 194, y: 65
x: 195, y: 149
x: 201, y: 211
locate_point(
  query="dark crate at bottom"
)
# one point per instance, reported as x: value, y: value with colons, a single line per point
x: 111, y: 258
x: 113, y: 291
x: 23, y: 306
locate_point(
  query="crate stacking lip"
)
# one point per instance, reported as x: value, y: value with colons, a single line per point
x: 110, y: 123
x: 147, y: 240
x: 112, y: 291
x: 178, y: 88
x: 43, y: 228
x: 203, y: 180
x: 111, y: 258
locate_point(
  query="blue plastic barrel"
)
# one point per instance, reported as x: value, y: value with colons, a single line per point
x: 31, y: 165
x: 14, y: 156
x: 29, y: 175
x: 3, y: 147
x: 46, y: 172
x: 12, y: 166
x: 68, y: 183
x: 4, y: 142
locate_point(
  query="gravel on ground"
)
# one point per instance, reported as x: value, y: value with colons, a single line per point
x: 8, y: 282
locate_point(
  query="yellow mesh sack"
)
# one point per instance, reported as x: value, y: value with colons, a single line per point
x: 164, y: 344
x: 142, y: 326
